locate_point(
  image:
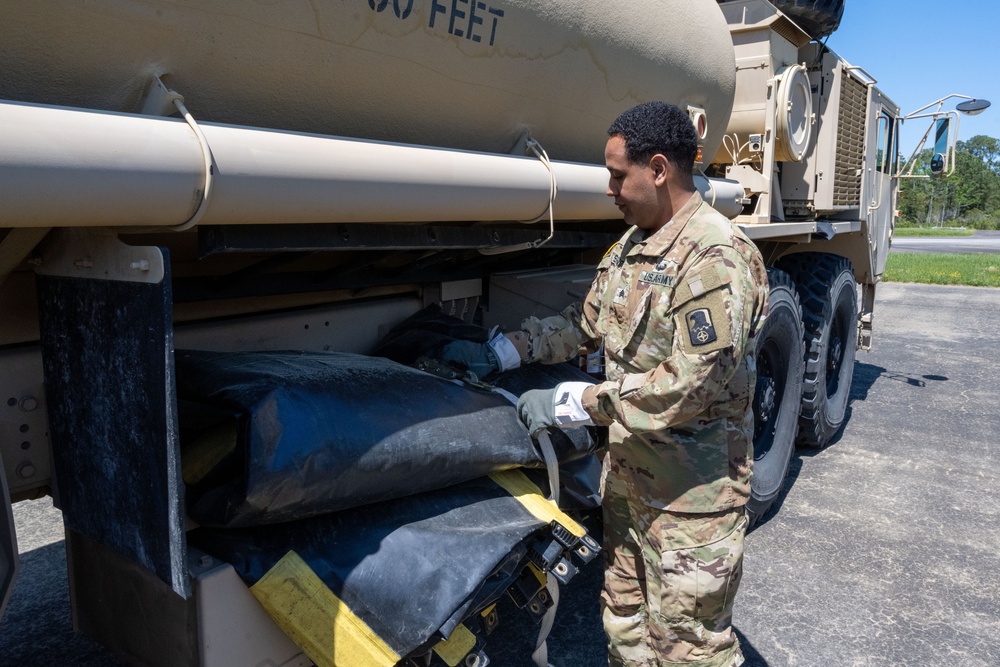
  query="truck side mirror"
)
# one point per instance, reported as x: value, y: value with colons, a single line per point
x: 939, y: 162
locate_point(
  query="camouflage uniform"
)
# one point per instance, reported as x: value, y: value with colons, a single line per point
x: 677, y: 312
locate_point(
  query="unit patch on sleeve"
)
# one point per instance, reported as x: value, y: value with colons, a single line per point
x: 613, y: 256
x: 708, y: 324
x: 701, y: 329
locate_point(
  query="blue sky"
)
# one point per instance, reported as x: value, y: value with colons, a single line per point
x: 922, y: 50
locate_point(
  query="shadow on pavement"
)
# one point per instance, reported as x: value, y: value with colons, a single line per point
x: 865, y: 376
x: 750, y: 654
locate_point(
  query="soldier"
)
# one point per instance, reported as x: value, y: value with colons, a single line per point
x: 676, y: 304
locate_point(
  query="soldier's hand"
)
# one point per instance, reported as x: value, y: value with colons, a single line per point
x: 497, y: 355
x: 536, y: 409
x: 476, y: 357
x: 539, y: 409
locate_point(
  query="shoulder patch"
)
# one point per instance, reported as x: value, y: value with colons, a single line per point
x: 612, y: 257
x: 707, y: 325
x: 701, y: 328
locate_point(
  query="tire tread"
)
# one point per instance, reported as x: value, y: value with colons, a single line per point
x: 819, y: 18
x: 814, y: 274
x: 759, y: 505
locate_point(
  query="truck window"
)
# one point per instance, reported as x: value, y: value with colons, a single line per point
x: 885, y: 161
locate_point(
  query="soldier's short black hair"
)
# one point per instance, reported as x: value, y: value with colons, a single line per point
x: 657, y: 127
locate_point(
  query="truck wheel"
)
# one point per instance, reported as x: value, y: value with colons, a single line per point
x: 829, y: 296
x: 777, y: 395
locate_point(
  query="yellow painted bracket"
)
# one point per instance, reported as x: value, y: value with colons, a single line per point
x: 454, y: 649
x: 317, y: 620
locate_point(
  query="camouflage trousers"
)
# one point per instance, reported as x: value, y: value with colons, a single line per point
x: 669, y: 584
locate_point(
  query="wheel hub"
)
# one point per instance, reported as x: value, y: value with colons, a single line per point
x: 766, y: 393
x: 833, y: 358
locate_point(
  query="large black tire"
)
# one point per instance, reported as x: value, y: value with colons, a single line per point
x: 778, y: 393
x: 829, y: 296
x: 819, y: 18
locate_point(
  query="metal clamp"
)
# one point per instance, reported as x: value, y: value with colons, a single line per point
x: 536, y: 148
x: 162, y: 101
x: 446, y: 372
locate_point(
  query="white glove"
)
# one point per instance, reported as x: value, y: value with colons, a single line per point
x: 568, y: 405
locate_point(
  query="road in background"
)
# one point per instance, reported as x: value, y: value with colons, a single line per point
x: 980, y: 242
x: 883, y: 549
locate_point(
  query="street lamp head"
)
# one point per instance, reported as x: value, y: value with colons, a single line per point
x: 973, y: 107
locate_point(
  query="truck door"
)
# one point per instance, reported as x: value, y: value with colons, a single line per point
x: 8, y: 544
x: 880, y: 182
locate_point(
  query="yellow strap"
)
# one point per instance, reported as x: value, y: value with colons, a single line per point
x: 529, y: 495
x: 317, y: 620
x: 454, y: 649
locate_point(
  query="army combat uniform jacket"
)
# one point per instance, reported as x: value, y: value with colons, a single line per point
x: 677, y: 311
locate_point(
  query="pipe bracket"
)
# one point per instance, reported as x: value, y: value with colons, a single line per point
x: 162, y: 101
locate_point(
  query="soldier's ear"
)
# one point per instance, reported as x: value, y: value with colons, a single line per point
x: 661, y: 168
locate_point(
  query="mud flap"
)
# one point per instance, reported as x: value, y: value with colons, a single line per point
x: 106, y: 329
x: 9, y: 560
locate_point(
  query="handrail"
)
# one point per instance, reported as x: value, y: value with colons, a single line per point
x: 857, y: 68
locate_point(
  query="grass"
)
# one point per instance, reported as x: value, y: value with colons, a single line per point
x: 981, y: 270
x: 932, y: 231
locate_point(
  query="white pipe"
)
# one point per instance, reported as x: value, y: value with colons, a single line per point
x: 723, y: 194
x: 69, y: 167
x: 62, y: 167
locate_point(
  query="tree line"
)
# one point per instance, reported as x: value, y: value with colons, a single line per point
x: 970, y: 197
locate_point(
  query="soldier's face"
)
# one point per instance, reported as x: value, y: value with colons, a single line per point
x: 633, y: 187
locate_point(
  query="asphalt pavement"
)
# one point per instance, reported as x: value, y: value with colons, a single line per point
x: 882, y: 550
x: 885, y: 548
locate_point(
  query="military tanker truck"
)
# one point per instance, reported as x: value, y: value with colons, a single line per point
x: 229, y: 176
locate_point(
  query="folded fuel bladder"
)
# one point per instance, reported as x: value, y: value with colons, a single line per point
x: 278, y: 436
x: 423, y: 336
x: 370, y: 586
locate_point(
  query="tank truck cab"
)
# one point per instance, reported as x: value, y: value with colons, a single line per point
x: 814, y: 145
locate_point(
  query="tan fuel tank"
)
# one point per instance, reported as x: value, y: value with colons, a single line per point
x: 467, y: 74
